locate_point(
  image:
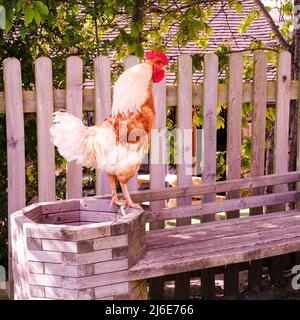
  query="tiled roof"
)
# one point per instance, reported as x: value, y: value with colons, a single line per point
x: 224, y: 24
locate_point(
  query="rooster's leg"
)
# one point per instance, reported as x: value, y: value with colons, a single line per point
x: 114, y: 197
x: 127, y: 197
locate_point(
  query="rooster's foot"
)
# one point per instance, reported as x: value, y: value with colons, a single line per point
x: 116, y: 202
x: 133, y: 205
x: 120, y: 204
x: 121, y: 210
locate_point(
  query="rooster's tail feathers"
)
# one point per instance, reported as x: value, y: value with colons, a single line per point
x: 73, y: 139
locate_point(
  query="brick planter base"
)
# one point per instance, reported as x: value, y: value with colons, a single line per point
x: 75, y: 249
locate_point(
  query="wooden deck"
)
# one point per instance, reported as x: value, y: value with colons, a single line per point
x: 199, y: 246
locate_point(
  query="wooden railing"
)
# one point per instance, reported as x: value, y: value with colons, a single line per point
x: 88, y: 96
x: 216, y: 187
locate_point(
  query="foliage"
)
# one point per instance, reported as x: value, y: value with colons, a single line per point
x: 221, y: 164
x: 285, y: 15
x: 249, y: 19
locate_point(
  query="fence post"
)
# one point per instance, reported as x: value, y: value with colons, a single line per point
x: 74, y: 106
x: 234, y: 125
x: 233, y: 157
x: 283, y: 96
x: 130, y: 61
x: 282, y: 118
x: 210, y: 100
x: 15, y: 146
x: 297, y: 204
x: 44, y: 110
x: 102, y: 110
x: 184, y: 147
x: 158, y: 170
x: 259, y: 122
x: 258, y: 149
x: 184, y: 127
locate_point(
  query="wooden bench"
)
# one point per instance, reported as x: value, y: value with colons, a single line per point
x: 78, y: 249
x: 220, y: 243
x: 201, y: 246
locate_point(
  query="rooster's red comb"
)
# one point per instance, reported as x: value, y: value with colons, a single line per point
x: 151, y: 55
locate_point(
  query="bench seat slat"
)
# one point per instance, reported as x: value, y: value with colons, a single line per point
x: 223, y: 229
x: 224, y: 223
x: 278, y: 235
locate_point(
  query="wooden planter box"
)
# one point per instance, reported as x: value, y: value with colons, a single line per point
x: 75, y: 249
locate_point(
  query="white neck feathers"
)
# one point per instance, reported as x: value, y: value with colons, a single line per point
x: 131, y: 89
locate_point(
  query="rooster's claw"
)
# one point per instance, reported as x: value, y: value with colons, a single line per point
x: 121, y: 210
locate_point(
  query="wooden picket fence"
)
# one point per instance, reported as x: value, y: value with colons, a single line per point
x: 44, y: 99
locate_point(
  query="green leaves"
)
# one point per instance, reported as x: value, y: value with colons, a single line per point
x: 37, y: 16
x: 268, y: 8
x: 32, y: 11
x: 193, y: 29
x: 222, y: 53
x: 35, y: 11
x: 221, y: 164
x: 287, y: 8
x: 9, y: 19
x: 239, y: 7
x: 20, y: 5
x: 139, y: 50
x: 271, y: 116
x: 248, y: 20
x: 197, y: 62
x: 41, y: 7
x: 136, y: 29
x: 29, y: 14
x: 136, y: 49
x: 246, y: 147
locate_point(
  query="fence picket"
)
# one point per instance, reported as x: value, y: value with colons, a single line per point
x: 297, y: 204
x: 233, y: 156
x: 210, y: 85
x: 15, y: 145
x: 282, y: 117
x: 234, y: 125
x: 184, y: 127
x: 259, y: 121
x: 281, y: 145
x: 102, y: 109
x: 157, y: 151
x: 130, y: 61
x: 158, y: 170
x: 258, y: 149
x: 44, y: 109
x: 74, y: 106
x: 184, y: 149
x: 15, y: 134
x: 210, y: 99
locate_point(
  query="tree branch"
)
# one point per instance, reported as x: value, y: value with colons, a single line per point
x: 138, y: 16
x: 273, y: 26
x: 96, y: 28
